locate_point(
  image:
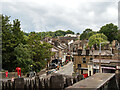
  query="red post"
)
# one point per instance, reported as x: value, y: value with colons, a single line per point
x: 6, y: 73
x: 18, y: 69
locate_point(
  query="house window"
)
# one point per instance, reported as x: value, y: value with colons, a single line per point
x: 91, y: 59
x: 79, y: 66
x: 84, y: 60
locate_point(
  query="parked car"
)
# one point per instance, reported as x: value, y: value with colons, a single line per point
x: 53, y: 66
x: 51, y: 71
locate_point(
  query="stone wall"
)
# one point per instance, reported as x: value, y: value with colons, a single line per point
x: 10, y: 74
x: 55, y: 81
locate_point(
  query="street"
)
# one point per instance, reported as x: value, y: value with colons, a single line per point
x: 67, y: 69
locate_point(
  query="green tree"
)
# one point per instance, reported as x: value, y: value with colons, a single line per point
x: 118, y: 37
x: 23, y: 57
x: 54, y: 34
x: 40, y: 51
x: 69, y: 32
x: 21, y: 49
x: 86, y: 34
x: 97, y: 39
x: 7, y: 48
x: 12, y: 36
x: 60, y: 33
x: 18, y: 35
x: 110, y: 30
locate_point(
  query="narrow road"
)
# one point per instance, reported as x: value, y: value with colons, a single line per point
x: 67, y: 69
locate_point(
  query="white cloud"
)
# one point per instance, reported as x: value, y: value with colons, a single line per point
x: 75, y: 15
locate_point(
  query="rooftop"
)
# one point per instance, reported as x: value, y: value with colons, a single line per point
x: 95, y: 52
x: 106, y: 60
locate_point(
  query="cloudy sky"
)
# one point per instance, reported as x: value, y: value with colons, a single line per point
x: 51, y: 15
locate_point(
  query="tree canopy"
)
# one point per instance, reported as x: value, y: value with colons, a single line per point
x: 110, y: 30
x: 12, y: 36
x: 20, y: 49
x: 54, y: 34
x: 97, y: 39
x: 118, y: 37
x: 69, y: 32
x: 86, y: 34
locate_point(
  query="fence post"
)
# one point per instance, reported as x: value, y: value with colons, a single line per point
x: 32, y: 85
x: 117, y: 75
x: 19, y: 83
x: 57, y: 81
x: 37, y: 81
x: 68, y: 82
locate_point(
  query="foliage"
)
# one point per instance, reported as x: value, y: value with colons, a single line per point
x: 110, y: 30
x: 60, y: 33
x: 23, y: 57
x: 97, y: 39
x: 12, y: 36
x: 54, y: 34
x: 86, y: 34
x: 118, y: 37
x: 40, y: 51
x: 69, y: 32
x: 20, y: 49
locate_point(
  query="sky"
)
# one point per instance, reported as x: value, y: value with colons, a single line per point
x: 52, y: 15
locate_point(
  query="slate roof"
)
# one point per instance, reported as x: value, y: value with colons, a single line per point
x: 106, y: 61
x: 96, y: 52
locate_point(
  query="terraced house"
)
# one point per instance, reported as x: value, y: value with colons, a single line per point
x: 90, y: 61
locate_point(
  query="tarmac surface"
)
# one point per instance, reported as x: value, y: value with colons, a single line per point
x: 66, y: 69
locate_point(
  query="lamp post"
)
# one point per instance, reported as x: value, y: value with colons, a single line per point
x: 46, y: 67
x: 100, y: 59
x: 100, y: 71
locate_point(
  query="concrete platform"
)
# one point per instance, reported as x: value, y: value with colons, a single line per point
x: 93, y: 82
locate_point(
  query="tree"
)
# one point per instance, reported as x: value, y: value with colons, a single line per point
x: 87, y: 30
x: 40, y: 51
x: 21, y: 49
x: 54, y: 34
x: 17, y: 33
x: 69, y: 32
x: 23, y: 57
x: 7, y: 47
x: 97, y: 39
x: 12, y: 36
x: 60, y: 33
x: 118, y: 37
x: 110, y: 30
x: 86, y: 34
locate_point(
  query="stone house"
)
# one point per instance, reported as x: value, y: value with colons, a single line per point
x: 59, y: 48
x: 83, y: 58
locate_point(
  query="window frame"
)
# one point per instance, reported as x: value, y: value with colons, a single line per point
x: 84, y: 60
